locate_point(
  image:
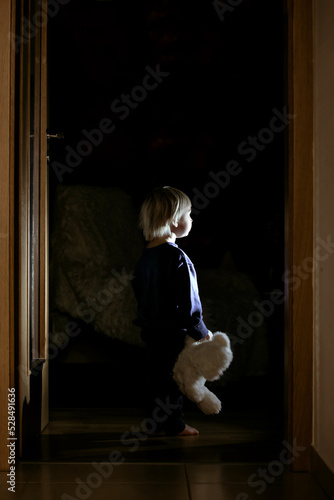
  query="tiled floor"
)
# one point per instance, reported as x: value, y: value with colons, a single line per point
x: 180, y: 481
x: 81, y: 455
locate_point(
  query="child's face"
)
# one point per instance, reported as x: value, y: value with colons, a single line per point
x: 184, y: 224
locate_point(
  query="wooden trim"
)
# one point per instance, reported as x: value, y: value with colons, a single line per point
x: 44, y: 231
x: 34, y: 202
x: 34, y: 205
x: 33, y: 228
x: 23, y: 229
x: 44, y: 184
x: 12, y: 201
x: 7, y: 372
x: 299, y: 314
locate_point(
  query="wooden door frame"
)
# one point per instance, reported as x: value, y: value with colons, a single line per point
x: 299, y: 227
x: 15, y: 368
x: 31, y: 207
x: 7, y: 251
x: 299, y: 258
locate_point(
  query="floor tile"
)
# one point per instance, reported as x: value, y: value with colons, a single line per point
x: 220, y: 473
x: 146, y: 481
x: 240, y: 473
x: 8, y: 495
x: 70, y: 491
x: 24, y: 472
x: 111, y: 473
x: 278, y: 491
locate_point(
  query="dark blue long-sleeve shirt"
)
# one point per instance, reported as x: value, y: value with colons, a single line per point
x: 165, y: 285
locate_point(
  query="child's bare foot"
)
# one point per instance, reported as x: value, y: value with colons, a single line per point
x: 188, y: 431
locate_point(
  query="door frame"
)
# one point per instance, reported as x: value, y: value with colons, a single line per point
x: 299, y: 240
x: 18, y: 140
x: 7, y: 280
x: 299, y: 229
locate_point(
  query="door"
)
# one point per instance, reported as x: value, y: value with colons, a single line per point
x: 30, y: 42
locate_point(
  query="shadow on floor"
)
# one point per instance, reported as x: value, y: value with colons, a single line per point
x: 81, y: 435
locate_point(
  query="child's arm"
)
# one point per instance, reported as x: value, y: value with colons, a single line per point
x: 189, y: 303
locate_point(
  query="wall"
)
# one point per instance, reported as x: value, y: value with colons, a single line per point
x: 323, y: 436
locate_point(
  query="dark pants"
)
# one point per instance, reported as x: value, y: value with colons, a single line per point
x: 164, y: 401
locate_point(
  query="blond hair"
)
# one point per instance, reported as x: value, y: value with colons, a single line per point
x: 160, y: 209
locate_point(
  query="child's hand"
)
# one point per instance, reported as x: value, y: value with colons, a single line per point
x: 208, y: 337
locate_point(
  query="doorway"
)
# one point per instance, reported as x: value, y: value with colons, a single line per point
x: 190, y: 96
x: 299, y: 229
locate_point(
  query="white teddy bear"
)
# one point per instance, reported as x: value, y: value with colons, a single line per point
x: 201, y: 361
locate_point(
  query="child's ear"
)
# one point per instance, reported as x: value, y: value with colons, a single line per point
x: 174, y: 223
